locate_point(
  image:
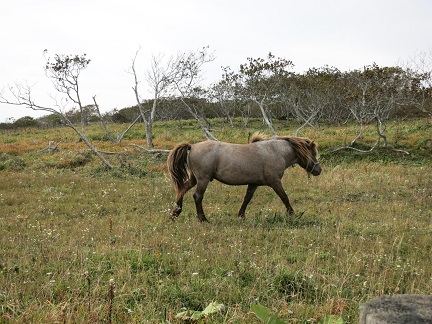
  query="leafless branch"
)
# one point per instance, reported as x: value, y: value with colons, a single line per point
x: 150, y: 150
x: 355, y: 149
x: 102, y: 121
x: 51, y: 147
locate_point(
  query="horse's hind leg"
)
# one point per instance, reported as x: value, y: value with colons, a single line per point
x: 198, y: 197
x: 278, y: 188
x: 249, y: 193
x: 179, y: 200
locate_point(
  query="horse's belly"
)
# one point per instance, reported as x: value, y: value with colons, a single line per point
x: 238, y: 178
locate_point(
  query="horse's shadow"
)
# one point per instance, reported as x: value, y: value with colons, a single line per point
x: 300, y: 220
x: 263, y: 220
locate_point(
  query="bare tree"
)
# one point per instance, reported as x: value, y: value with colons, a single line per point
x: 157, y: 78
x: 261, y: 81
x: 375, y: 93
x: 359, y: 88
x: 305, y: 98
x: 420, y: 68
x: 313, y: 94
x: 176, y: 77
x: 64, y: 71
x: 221, y: 93
x: 184, y: 75
x: 228, y: 93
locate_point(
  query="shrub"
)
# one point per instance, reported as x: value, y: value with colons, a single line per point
x: 74, y: 160
x: 10, y: 162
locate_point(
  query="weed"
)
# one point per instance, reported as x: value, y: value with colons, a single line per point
x: 296, y: 286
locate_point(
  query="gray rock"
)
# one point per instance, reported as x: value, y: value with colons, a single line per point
x: 397, y: 309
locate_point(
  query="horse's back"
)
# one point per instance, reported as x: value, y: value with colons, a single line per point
x: 235, y: 164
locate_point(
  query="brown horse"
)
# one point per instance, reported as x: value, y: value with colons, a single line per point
x: 259, y: 163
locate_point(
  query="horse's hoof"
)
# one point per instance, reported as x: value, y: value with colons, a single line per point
x: 175, y: 212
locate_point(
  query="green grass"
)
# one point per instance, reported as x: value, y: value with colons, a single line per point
x: 68, y: 226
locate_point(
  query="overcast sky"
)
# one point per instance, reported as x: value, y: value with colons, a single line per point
x: 346, y: 34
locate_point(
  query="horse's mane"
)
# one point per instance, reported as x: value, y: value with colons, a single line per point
x: 303, y: 147
x: 256, y: 137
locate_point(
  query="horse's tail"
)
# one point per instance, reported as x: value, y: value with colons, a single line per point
x: 178, y: 166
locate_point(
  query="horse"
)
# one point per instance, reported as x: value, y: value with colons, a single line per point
x: 261, y: 162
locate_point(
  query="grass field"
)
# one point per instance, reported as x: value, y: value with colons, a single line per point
x: 81, y: 244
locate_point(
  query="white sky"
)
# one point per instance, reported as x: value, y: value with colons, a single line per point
x: 347, y: 34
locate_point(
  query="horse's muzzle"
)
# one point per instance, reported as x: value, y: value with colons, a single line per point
x: 316, y: 169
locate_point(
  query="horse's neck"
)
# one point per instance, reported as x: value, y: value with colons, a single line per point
x: 285, y: 150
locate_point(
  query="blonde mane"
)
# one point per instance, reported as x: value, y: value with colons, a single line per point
x: 257, y: 136
x: 303, y: 147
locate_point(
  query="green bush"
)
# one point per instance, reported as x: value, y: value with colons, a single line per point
x: 10, y: 162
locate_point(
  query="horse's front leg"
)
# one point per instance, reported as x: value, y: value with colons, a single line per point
x: 198, y: 197
x: 247, y: 198
x: 278, y: 188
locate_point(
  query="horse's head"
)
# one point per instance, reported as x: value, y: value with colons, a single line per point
x: 307, y: 152
x: 311, y: 165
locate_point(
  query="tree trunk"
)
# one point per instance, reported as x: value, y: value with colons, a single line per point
x: 120, y: 137
x: 265, y: 116
x: 380, y: 131
x: 104, y: 125
x: 87, y: 142
x: 208, y: 135
x: 359, y: 135
x: 149, y: 133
